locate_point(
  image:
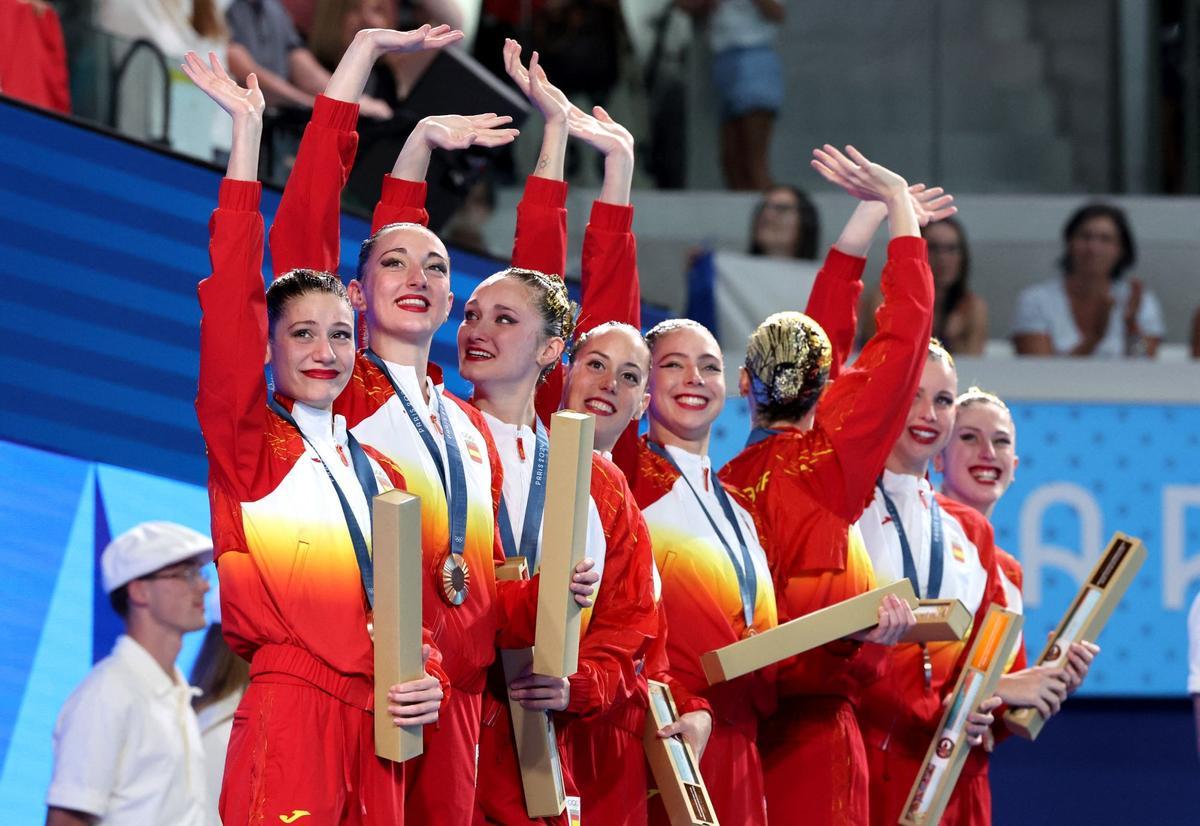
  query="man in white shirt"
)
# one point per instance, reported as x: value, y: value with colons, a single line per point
x: 126, y: 746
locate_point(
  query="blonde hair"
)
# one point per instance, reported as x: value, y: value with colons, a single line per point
x: 938, y: 352
x: 787, y: 359
x: 977, y: 395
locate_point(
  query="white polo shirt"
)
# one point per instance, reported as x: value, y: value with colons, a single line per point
x: 127, y: 746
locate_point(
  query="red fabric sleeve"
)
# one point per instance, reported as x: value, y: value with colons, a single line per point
x: 833, y: 303
x: 540, y: 242
x: 1016, y: 575
x: 611, y: 288
x: 624, y: 619
x: 433, y: 666
x: 400, y: 202
x: 231, y: 403
x: 307, y: 227
x: 34, y: 63
x: 859, y: 416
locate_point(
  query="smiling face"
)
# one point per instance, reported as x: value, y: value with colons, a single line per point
x: 687, y: 384
x: 311, y: 349
x: 501, y: 341
x: 979, y: 461
x: 930, y: 420
x: 608, y: 378
x: 403, y: 287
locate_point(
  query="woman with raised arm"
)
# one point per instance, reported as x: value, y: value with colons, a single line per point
x: 607, y: 377
x: 511, y: 314
x: 947, y: 551
x: 978, y: 465
x: 291, y: 494
x: 809, y: 469
x: 397, y: 403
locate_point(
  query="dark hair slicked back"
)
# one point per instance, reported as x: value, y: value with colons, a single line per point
x: 296, y: 283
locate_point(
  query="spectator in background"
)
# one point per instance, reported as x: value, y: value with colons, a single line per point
x: 393, y: 77
x: 1091, y: 309
x: 748, y: 78
x: 959, y: 315
x: 33, y: 66
x: 126, y: 744
x: 174, y: 27
x: 265, y: 42
x: 785, y: 224
x: 222, y: 677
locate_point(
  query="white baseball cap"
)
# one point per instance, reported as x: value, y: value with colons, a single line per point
x: 145, y: 548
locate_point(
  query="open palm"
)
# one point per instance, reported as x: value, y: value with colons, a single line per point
x: 212, y: 78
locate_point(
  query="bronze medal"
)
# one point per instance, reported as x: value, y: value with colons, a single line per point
x: 371, y: 625
x: 456, y: 579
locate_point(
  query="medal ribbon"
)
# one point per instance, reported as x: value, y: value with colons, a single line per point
x: 455, y: 487
x: 760, y: 434
x: 534, y: 506
x: 935, y: 544
x: 747, y: 575
x: 366, y: 480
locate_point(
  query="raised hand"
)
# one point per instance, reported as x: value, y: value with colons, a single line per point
x: 449, y: 132
x: 534, y: 84
x: 857, y: 174
x: 425, y: 38
x: 599, y: 131
x: 461, y: 131
x: 215, y: 82
x: 931, y: 203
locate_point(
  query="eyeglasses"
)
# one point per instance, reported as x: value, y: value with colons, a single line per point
x: 191, y: 574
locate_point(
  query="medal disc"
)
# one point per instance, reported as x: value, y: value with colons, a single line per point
x: 456, y: 579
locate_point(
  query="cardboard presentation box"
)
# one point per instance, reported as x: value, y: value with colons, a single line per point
x: 802, y: 634
x: 674, y: 764
x: 1086, y: 618
x: 396, y: 618
x: 986, y: 661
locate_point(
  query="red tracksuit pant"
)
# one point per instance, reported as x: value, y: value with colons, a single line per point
x: 303, y: 746
x: 441, y: 782
x: 814, y: 762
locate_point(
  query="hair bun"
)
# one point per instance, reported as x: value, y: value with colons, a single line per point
x: 788, y: 358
